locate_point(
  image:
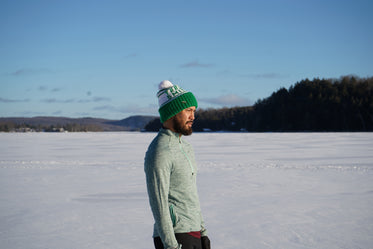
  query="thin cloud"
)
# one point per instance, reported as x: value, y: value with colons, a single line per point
x: 42, y: 88
x: 109, y: 108
x: 45, y: 88
x: 138, y: 109
x: 228, y: 100
x: 83, y: 114
x: 100, y: 99
x: 56, y: 89
x: 57, y: 113
x: 30, y: 71
x: 60, y: 101
x: 81, y: 101
x: 132, y: 55
x: 134, y: 109
x: 95, y: 99
x: 68, y: 101
x: 264, y: 76
x: 196, y: 64
x: 224, y: 73
x: 3, y: 100
x: 31, y: 113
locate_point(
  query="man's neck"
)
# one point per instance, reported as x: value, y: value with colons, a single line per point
x: 171, y: 129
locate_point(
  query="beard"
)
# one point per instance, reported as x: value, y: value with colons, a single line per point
x: 181, y: 127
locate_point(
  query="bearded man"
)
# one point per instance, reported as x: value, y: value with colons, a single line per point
x: 171, y: 171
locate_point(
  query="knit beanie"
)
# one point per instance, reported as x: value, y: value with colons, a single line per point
x: 173, y: 99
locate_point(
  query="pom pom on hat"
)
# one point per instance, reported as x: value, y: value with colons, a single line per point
x: 165, y: 84
x: 173, y: 99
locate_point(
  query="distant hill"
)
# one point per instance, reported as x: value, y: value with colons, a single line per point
x: 133, y: 123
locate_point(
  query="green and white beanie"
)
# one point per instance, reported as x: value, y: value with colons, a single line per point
x: 173, y: 99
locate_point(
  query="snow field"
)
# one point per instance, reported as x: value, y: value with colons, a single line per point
x: 257, y: 190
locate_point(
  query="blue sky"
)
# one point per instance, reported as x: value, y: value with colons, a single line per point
x: 105, y: 58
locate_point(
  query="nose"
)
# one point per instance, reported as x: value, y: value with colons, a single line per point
x: 192, y: 116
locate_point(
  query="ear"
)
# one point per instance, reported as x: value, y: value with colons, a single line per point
x: 168, y: 124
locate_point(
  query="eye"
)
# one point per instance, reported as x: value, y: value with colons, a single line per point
x: 190, y: 110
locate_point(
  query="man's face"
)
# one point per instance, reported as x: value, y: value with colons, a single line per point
x: 183, y: 121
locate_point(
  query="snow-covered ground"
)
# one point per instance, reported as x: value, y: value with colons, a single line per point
x: 257, y: 190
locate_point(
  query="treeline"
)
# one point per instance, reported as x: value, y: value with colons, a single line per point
x: 24, y: 127
x: 344, y: 104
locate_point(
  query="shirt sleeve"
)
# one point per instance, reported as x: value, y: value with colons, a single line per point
x: 158, y: 170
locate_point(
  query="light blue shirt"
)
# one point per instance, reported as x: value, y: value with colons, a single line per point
x: 170, y: 170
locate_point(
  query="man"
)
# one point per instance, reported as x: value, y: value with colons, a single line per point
x: 170, y: 171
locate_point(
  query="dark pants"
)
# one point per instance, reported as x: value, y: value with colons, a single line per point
x: 188, y: 241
